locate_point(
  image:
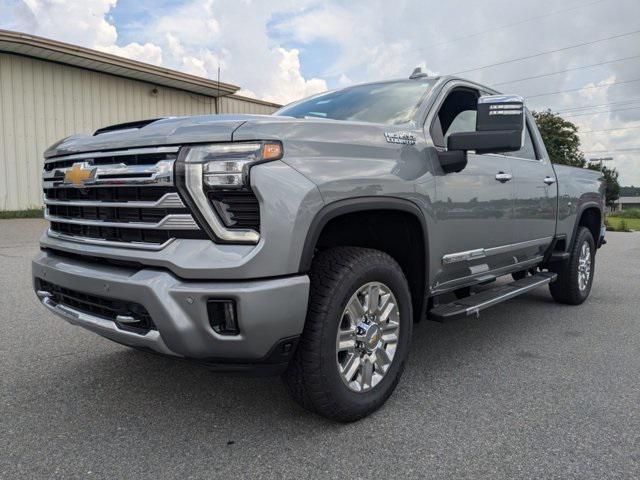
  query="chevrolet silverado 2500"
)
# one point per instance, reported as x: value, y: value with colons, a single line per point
x: 308, y: 242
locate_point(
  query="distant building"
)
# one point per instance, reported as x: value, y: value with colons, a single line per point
x: 625, y: 203
x: 50, y: 90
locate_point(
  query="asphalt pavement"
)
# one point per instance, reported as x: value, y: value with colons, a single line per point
x: 532, y: 389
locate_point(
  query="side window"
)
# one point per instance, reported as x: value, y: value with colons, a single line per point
x: 465, y: 121
x: 456, y: 114
x: 528, y: 150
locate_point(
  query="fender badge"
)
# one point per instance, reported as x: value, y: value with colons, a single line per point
x: 403, y: 138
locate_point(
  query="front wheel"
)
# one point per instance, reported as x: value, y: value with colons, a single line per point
x: 356, y: 336
x: 575, y: 277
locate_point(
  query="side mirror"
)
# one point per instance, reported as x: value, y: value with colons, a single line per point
x: 499, y: 126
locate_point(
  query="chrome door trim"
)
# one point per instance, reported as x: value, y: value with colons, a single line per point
x: 487, y: 252
x: 464, y: 256
x: 470, y: 280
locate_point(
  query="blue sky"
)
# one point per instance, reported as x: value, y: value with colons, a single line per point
x: 283, y: 50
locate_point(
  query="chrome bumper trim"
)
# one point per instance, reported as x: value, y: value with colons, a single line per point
x: 104, y: 327
x: 170, y: 222
x: 109, y: 243
x: 169, y: 200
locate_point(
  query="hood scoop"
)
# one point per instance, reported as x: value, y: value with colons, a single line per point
x: 125, y: 126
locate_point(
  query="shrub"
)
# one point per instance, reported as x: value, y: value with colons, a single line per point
x: 34, y: 213
x: 608, y: 225
x: 629, y: 213
x: 623, y: 226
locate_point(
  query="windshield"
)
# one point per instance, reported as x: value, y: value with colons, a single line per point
x: 391, y: 103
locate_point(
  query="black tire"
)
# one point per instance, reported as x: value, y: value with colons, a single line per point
x: 312, y: 377
x: 566, y: 289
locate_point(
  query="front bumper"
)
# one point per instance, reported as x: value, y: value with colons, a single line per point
x: 270, y: 312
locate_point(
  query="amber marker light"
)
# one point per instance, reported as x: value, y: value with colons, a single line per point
x: 271, y: 151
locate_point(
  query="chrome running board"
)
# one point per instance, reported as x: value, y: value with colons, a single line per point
x: 473, y: 304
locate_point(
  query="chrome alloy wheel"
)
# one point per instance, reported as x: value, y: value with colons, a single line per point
x: 367, y: 336
x: 584, y: 266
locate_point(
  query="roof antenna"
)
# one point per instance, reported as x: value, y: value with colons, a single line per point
x: 417, y: 73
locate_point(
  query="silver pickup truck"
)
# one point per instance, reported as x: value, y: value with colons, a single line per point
x: 307, y: 243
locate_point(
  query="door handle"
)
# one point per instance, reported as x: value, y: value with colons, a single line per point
x: 549, y: 180
x: 503, y: 177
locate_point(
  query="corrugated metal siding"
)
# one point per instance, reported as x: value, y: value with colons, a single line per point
x: 240, y: 105
x: 42, y: 102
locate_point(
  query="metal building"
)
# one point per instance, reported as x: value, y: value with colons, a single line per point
x: 49, y: 90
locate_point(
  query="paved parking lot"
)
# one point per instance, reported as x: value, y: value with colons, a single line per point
x: 531, y: 390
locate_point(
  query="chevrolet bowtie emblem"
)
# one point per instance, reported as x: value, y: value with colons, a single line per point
x: 80, y: 173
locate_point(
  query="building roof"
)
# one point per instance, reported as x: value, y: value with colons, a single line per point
x: 54, y: 51
x: 629, y: 200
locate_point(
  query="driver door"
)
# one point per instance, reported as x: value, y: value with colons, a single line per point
x: 473, y: 207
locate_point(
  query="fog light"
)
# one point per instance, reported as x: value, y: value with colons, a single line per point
x: 222, y: 316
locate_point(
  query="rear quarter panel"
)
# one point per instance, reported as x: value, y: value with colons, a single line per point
x: 578, y: 189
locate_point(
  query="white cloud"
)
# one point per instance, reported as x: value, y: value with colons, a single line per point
x: 78, y: 22
x: 288, y: 84
x: 148, y: 52
x: 259, y: 46
x: 197, y: 37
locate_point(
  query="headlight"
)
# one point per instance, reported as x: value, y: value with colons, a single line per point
x: 205, y: 169
x: 227, y: 165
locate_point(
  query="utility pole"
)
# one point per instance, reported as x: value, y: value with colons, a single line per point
x: 600, y: 161
x: 218, y: 93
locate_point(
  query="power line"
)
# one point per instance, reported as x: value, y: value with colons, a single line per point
x: 609, y: 129
x: 567, y: 70
x: 630, y: 149
x: 598, y: 113
x: 508, y: 25
x: 583, y: 88
x: 621, y: 35
x: 587, y: 107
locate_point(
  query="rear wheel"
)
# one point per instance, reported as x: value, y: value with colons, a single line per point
x: 356, y: 336
x: 575, y: 276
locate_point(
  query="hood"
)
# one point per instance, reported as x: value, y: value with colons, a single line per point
x: 165, y: 131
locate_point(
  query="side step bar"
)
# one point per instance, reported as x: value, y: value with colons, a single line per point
x: 473, y: 304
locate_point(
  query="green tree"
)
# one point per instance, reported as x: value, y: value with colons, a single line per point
x: 561, y: 139
x: 611, y: 181
x: 563, y: 145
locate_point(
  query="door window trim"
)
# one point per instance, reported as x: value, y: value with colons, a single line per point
x: 442, y: 96
x: 435, y: 108
x: 536, y: 152
x: 440, y: 101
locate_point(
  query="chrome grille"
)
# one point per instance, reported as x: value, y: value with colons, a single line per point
x: 124, y: 198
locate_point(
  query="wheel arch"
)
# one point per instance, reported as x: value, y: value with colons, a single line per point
x: 352, y: 209
x: 589, y: 216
